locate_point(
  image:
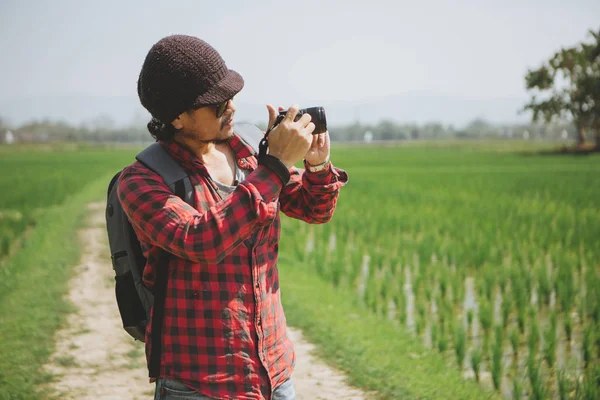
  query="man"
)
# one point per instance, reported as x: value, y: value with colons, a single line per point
x: 223, y: 331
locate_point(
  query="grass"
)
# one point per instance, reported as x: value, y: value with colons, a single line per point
x: 32, y: 287
x: 375, y: 353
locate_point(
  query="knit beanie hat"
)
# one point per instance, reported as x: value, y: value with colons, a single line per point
x: 183, y: 72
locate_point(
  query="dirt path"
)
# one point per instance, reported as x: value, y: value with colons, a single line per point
x: 95, y: 359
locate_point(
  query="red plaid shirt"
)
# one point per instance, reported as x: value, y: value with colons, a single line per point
x: 224, y: 331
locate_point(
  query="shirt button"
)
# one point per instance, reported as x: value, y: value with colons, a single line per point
x: 256, y: 284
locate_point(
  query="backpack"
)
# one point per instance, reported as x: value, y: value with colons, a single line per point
x: 134, y: 299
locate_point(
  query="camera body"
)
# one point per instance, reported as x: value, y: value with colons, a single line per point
x: 317, y: 114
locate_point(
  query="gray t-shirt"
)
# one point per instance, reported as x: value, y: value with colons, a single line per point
x: 226, y: 190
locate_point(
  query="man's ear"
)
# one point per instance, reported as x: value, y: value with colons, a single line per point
x: 178, y: 122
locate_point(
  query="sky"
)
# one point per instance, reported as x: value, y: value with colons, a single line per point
x: 308, y: 52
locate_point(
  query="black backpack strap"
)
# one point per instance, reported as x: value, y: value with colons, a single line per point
x: 158, y: 160
x: 250, y: 134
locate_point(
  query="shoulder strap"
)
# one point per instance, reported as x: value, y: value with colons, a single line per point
x: 158, y: 160
x: 250, y: 134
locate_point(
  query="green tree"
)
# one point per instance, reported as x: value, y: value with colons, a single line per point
x: 569, y: 85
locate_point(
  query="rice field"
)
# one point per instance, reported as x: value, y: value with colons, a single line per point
x: 490, y: 258
x: 34, y: 177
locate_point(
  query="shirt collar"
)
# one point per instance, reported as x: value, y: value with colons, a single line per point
x: 186, y: 158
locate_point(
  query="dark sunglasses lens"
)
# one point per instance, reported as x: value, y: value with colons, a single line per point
x: 221, y: 108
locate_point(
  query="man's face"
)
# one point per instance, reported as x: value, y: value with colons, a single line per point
x: 203, y: 125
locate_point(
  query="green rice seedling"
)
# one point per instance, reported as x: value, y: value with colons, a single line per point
x: 539, y: 390
x: 521, y: 317
x: 460, y: 344
x: 591, y: 295
x: 565, y: 291
x: 544, y: 285
x: 563, y: 385
x: 499, y: 336
x: 550, y: 341
x: 527, y: 279
x: 534, y: 336
x: 514, y: 341
x: 568, y: 321
x: 443, y: 284
x: 416, y: 285
x: 490, y: 283
x: 385, y: 287
x: 458, y: 289
x: 470, y: 314
x: 442, y: 342
x: 434, y: 332
x: 502, y: 280
x: 597, y: 339
x: 533, y: 314
x: 506, y: 308
x: 476, y: 362
x: 497, y: 359
x: 419, y: 324
x: 586, y: 346
x: 517, y: 388
x: 337, y: 273
x: 400, y: 303
x: 451, y: 318
x: 442, y: 315
x: 422, y: 309
x: 480, y: 289
x: 486, y: 316
x: 589, y: 388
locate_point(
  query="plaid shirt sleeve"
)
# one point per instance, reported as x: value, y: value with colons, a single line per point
x: 312, y: 196
x: 208, y: 236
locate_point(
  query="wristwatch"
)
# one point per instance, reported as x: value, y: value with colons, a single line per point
x: 319, y: 167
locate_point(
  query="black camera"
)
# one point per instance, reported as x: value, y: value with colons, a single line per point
x: 317, y: 114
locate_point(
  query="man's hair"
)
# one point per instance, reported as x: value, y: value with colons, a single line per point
x: 160, y: 131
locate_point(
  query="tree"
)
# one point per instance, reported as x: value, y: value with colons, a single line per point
x: 569, y: 83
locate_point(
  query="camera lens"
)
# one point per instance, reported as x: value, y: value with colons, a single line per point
x: 317, y: 117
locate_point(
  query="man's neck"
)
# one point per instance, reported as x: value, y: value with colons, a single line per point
x: 200, y: 149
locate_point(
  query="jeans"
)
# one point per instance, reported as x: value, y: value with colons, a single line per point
x: 167, y: 389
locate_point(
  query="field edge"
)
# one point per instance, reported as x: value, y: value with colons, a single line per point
x: 40, y: 273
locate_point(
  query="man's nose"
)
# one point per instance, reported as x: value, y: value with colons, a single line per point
x: 231, y: 106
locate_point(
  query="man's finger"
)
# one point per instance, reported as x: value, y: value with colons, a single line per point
x: 326, y: 139
x: 315, y: 142
x: 305, y: 120
x: 272, y: 115
x: 291, y: 113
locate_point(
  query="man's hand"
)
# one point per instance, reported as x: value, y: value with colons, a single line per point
x: 319, y: 149
x: 290, y: 141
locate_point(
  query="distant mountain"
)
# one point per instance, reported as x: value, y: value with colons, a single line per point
x: 417, y: 107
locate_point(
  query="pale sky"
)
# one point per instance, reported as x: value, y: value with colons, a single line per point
x: 292, y: 52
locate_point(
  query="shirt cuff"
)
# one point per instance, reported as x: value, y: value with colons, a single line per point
x: 326, y: 176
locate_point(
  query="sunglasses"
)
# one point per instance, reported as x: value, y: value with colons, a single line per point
x: 221, y: 107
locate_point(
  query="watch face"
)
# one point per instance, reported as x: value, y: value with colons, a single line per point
x: 318, y: 168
